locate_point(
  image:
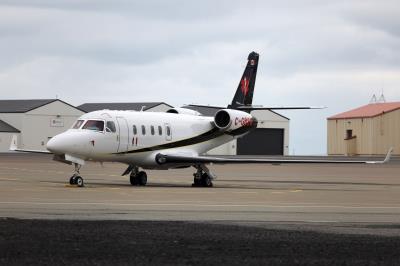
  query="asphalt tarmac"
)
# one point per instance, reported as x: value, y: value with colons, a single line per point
x: 254, y: 214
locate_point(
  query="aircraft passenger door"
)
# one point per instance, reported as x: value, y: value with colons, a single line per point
x: 123, y: 144
x: 168, y: 132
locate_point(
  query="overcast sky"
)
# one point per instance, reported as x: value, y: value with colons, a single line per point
x: 331, y: 53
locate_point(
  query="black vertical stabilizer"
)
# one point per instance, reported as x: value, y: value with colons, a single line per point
x: 245, y: 90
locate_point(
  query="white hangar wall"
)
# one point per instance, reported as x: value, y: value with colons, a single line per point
x: 38, y: 125
x: 5, y: 140
x: 43, y: 123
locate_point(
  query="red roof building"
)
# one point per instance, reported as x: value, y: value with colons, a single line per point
x: 369, y: 110
x: 367, y: 130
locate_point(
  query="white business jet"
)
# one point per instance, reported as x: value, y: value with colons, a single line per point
x: 155, y: 140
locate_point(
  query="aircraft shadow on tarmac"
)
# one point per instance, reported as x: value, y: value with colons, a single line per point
x: 299, y: 184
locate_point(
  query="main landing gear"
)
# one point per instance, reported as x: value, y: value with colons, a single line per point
x: 203, y: 177
x: 76, y: 178
x: 138, y: 178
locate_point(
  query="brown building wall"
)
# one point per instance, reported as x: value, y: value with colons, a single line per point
x: 373, y: 135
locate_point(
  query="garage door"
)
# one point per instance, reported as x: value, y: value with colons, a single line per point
x: 261, y: 141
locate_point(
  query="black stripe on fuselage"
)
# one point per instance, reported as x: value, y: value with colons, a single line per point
x: 211, y: 134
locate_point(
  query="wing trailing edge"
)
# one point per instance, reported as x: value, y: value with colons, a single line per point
x: 163, y: 159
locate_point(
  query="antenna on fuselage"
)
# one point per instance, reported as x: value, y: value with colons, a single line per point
x: 142, y: 109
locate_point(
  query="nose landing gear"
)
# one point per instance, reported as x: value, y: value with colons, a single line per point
x: 76, y: 179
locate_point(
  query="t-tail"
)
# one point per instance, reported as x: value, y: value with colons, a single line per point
x: 243, y: 98
x: 245, y: 89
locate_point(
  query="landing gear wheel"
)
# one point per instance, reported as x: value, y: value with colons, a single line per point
x: 79, y: 181
x: 196, y: 182
x: 206, y: 180
x: 142, y: 178
x: 72, y: 180
x: 134, y: 180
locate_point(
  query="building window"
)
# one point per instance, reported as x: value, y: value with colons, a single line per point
x: 349, y: 133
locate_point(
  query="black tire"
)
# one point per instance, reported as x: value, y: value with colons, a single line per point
x: 142, y: 178
x: 206, y: 180
x: 72, y: 180
x: 79, y: 181
x: 197, y: 182
x: 134, y: 180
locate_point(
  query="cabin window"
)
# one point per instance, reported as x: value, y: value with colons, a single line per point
x: 152, y: 130
x: 134, y: 130
x: 78, y: 124
x: 168, y: 131
x: 143, y: 130
x: 95, y: 125
x: 110, y: 127
x: 159, y: 130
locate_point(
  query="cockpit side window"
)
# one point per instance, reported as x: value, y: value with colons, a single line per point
x: 95, y: 125
x: 78, y: 124
x: 110, y: 127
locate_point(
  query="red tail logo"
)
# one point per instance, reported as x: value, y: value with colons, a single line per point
x: 244, y: 86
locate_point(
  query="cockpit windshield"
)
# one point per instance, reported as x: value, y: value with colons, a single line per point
x: 95, y: 125
x: 78, y: 124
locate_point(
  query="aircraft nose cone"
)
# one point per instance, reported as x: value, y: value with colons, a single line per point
x: 54, y: 145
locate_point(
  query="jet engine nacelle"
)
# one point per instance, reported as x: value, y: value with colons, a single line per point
x: 184, y: 111
x: 229, y: 119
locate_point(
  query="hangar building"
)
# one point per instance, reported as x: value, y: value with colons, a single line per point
x: 271, y: 137
x: 367, y: 130
x: 34, y: 121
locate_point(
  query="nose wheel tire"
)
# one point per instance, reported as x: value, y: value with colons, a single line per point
x: 76, y: 180
x: 79, y: 181
x: 72, y: 180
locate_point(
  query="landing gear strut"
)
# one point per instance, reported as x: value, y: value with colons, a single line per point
x: 138, y: 178
x: 202, y: 177
x: 76, y: 178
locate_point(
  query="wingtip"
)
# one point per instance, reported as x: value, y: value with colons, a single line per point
x: 388, y: 155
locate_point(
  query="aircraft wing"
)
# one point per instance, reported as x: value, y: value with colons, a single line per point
x: 164, y: 159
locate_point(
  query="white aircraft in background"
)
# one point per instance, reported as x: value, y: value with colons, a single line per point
x: 155, y: 140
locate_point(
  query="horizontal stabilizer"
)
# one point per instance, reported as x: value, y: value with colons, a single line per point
x: 252, y: 108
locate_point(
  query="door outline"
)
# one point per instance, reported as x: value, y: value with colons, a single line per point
x: 122, y: 124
